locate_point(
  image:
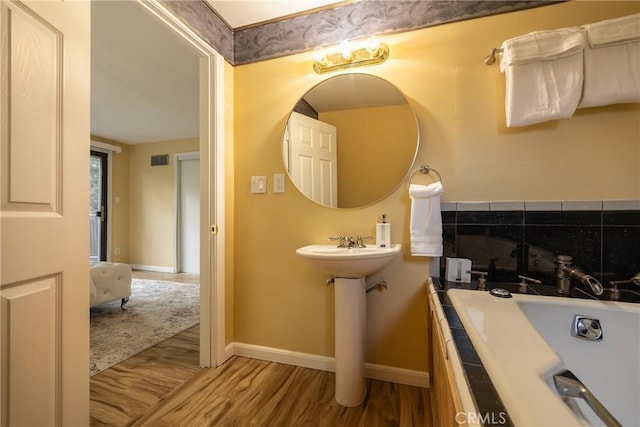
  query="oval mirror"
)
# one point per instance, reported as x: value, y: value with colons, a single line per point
x: 350, y: 141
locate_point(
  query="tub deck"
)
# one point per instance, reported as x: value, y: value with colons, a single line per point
x: 519, y: 343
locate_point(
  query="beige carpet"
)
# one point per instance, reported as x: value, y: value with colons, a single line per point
x: 157, y: 310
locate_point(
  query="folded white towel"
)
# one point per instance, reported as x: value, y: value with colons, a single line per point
x: 617, y: 30
x: 544, y: 75
x: 612, y: 62
x: 426, y: 220
x: 542, y: 45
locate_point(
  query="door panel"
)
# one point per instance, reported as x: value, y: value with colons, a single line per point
x: 44, y: 277
x: 314, y: 158
x: 31, y: 181
x: 27, y: 310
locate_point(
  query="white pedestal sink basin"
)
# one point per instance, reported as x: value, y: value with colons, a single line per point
x: 349, y: 267
x: 349, y: 262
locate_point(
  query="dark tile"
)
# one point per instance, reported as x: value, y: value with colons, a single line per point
x: 609, y: 252
x: 449, y: 217
x: 487, y: 399
x: 465, y: 348
x: 544, y: 243
x: 491, y: 217
x: 621, y: 252
x: 496, y: 249
x: 621, y: 218
x: 563, y: 218
x: 449, y: 240
x: 452, y: 316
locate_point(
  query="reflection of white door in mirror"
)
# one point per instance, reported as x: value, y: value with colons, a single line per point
x: 378, y: 139
x: 313, y: 158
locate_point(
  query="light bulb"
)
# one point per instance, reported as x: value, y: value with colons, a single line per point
x: 345, y: 48
x: 319, y: 55
x: 373, y: 46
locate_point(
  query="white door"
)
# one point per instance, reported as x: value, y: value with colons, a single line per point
x: 189, y: 214
x: 44, y: 279
x: 313, y: 158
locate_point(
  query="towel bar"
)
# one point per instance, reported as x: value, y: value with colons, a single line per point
x: 491, y: 58
x: 424, y: 169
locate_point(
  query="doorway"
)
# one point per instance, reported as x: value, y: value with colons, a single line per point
x: 98, y: 203
x: 211, y: 81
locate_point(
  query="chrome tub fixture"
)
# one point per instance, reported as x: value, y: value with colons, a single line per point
x: 565, y: 271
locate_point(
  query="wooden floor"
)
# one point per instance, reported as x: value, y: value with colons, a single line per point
x: 164, y: 386
x: 127, y: 390
x: 249, y: 392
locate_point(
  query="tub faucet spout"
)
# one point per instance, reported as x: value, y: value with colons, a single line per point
x: 565, y: 271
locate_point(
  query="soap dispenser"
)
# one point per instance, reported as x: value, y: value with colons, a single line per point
x: 383, y: 233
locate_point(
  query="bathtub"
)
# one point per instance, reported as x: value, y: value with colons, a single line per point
x: 524, y: 341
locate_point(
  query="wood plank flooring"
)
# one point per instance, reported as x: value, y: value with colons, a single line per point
x: 128, y: 389
x: 249, y: 392
x: 164, y: 386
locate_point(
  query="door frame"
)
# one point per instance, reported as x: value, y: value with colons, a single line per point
x: 178, y: 158
x: 212, y: 183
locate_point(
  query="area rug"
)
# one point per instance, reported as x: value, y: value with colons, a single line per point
x: 157, y: 310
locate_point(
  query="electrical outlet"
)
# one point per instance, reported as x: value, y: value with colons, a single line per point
x: 278, y: 183
x: 116, y: 251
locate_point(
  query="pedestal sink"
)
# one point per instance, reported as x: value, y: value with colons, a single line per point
x: 349, y: 267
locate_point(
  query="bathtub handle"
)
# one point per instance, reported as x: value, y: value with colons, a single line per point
x: 568, y: 385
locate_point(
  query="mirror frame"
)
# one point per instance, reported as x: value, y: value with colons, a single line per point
x: 393, y: 187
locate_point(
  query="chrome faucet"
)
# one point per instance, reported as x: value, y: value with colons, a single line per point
x: 614, y: 292
x: 565, y: 271
x: 348, y: 242
x: 345, y: 242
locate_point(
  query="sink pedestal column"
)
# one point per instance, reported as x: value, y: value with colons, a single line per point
x: 350, y: 323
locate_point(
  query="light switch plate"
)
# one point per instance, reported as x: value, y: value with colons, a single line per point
x: 259, y: 184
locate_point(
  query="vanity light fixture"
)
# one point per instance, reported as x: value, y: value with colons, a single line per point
x: 348, y: 55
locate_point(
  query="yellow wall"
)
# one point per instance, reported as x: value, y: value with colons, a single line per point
x: 152, y: 202
x: 282, y: 302
x: 381, y: 145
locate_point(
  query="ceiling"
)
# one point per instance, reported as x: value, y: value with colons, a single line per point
x: 144, y: 79
x: 241, y: 13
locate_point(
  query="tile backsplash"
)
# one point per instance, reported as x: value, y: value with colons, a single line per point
x: 511, y: 238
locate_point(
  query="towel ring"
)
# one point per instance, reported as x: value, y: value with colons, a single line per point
x: 424, y: 169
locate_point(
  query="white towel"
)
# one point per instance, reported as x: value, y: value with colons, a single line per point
x: 617, y: 30
x: 426, y: 220
x: 612, y: 62
x: 544, y: 75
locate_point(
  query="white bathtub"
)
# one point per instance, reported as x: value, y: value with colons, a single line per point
x: 525, y: 340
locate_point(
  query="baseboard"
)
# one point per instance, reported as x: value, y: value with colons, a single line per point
x: 287, y: 357
x: 228, y: 352
x: 154, y: 268
x: 325, y: 363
